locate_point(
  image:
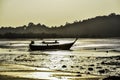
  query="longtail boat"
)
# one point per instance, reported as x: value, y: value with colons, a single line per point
x: 47, y: 45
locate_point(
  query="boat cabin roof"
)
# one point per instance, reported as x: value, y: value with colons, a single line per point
x: 50, y: 42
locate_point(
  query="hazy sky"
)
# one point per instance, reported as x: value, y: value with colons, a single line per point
x: 53, y: 12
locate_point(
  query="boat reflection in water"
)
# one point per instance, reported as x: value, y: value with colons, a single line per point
x: 48, y: 45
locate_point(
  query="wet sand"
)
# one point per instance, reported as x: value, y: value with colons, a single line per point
x: 58, y: 67
x: 20, y: 72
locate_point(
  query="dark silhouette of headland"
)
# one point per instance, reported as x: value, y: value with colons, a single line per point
x: 98, y: 27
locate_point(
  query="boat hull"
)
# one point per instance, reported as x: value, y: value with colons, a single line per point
x: 66, y: 46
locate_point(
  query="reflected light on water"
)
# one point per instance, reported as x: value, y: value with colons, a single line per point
x: 59, y: 52
x: 32, y: 75
x: 44, y: 75
x: 39, y: 75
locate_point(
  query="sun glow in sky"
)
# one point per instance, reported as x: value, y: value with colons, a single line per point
x: 53, y: 12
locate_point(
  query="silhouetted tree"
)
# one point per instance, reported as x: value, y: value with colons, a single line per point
x: 112, y: 14
x: 31, y: 24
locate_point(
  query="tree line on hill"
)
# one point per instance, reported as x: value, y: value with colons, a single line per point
x: 100, y: 26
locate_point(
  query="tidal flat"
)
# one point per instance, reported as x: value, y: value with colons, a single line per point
x: 88, y: 59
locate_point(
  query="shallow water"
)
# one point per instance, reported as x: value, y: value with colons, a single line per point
x: 89, y: 56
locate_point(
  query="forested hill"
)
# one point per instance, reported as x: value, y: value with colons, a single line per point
x: 100, y: 26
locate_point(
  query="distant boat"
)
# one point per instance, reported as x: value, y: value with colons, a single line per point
x: 48, y: 45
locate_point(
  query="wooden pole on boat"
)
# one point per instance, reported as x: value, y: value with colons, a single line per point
x: 75, y: 40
